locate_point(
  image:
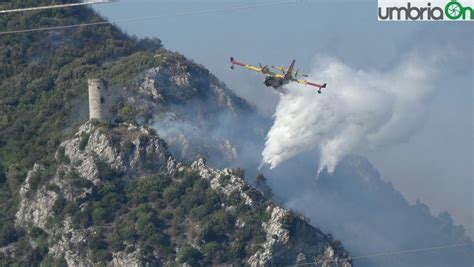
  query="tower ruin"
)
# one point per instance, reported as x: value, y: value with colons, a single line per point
x: 98, y: 100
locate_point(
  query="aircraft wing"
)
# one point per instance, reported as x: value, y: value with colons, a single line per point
x: 247, y: 66
x: 319, y: 86
x: 280, y: 68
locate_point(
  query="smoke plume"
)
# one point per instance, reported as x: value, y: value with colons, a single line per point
x: 359, y: 109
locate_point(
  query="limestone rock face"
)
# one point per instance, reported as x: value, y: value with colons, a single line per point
x: 124, y: 259
x: 92, y: 152
x: 127, y: 148
x: 289, y: 238
x: 192, y: 110
x: 178, y: 82
x: 233, y: 183
x: 36, y: 212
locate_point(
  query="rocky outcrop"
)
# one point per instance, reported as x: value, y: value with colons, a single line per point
x: 94, y: 152
x: 191, y: 109
x: 127, y: 259
x: 232, y: 182
x: 98, y: 153
x: 289, y: 238
x: 126, y: 148
x: 176, y: 82
x: 35, y: 207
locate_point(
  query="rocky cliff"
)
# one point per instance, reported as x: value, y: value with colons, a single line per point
x: 117, y: 196
x: 192, y: 110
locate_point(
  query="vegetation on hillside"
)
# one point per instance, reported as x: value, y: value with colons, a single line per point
x: 43, y: 85
x: 162, y: 212
x: 43, y: 89
x: 179, y: 216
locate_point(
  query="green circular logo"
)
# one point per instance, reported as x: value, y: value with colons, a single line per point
x: 453, y: 9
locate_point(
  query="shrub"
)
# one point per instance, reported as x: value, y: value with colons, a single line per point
x: 99, y: 214
x: 189, y: 255
x: 49, y: 260
x: 38, y: 233
x: 61, y: 155
x: 224, y: 179
x: 287, y: 221
x: 2, y: 175
x: 7, y: 234
x: 171, y: 194
x: 106, y: 172
x: 239, y: 172
x: 217, y: 228
x: 83, y: 141
x: 100, y: 248
x: 199, y: 211
x: 211, y: 250
x: 59, y: 205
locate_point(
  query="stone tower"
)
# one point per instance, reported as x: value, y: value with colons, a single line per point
x: 98, y: 100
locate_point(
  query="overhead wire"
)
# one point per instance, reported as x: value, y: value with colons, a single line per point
x: 201, y: 12
x: 388, y: 253
x: 54, y: 6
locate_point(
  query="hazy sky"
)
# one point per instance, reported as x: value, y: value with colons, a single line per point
x: 435, y: 165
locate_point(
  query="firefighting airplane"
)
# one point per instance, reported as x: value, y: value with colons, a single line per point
x: 276, y: 80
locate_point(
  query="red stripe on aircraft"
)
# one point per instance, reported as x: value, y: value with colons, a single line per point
x: 238, y: 63
x: 314, y: 84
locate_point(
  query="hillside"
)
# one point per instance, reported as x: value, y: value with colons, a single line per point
x: 118, y: 197
x: 44, y: 83
x: 43, y: 86
x: 89, y: 193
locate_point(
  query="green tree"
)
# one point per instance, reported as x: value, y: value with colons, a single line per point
x: 190, y: 255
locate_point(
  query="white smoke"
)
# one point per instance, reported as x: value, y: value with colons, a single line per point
x: 359, y: 109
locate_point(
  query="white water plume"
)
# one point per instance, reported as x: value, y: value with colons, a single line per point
x: 359, y: 109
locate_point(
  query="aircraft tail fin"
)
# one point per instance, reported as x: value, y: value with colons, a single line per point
x: 289, y: 73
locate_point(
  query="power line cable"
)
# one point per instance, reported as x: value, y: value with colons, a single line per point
x: 149, y: 18
x: 54, y: 6
x: 389, y: 253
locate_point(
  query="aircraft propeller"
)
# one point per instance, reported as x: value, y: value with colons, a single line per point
x: 300, y: 74
x: 265, y: 68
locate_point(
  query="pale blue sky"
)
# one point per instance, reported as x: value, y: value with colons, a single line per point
x: 435, y: 165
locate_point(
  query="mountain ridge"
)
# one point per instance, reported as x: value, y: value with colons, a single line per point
x: 377, y: 218
x: 80, y: 214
